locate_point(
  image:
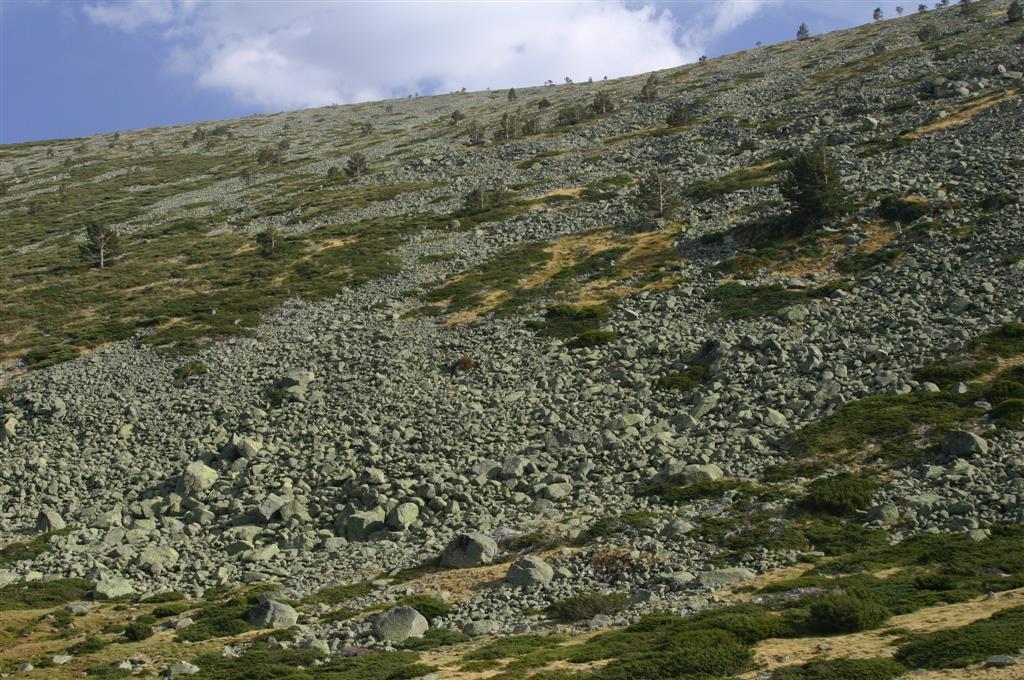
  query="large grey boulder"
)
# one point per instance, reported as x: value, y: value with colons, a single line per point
x: 469, y: 550
x: 112, y: 587
x: 400, y: 624
x: 530, y: 571
x: 402, y: 516
x: 272, y: 614
x: 157, y: 558
x: 197, y: 478
x: 692, y: 474
x: 49, y: 520
x: 180, y: 668
x: 360, y: 525
x: 963, y: 443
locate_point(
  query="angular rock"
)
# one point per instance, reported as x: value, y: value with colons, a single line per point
x: 963, y: 443
x: 400, y: 624
x: 469, y: 550
x: 273, y: 614
x: 530, y: 571
x: 197, y: 478
x: 112, y: 587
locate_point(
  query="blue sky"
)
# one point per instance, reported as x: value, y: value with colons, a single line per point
x: 70, y: 69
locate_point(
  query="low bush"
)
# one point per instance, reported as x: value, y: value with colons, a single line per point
x: 43, y: 594
x: 586, y: 606
x: 430, y: 607
x: 89, y: 645
x: 136, y: 631
x: 842, y: 669
x: 339, y: 594
x: 842, y: 494
x: 592, y: 338
x: 845, y: 614
x: 904, y: 209
x: 1009, y: 414
x: 692, y: 378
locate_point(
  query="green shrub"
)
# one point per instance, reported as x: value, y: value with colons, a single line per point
x: 592, y: 338
x: 690, y: 654
x: 845, y: 614
x: 89, y: 645
x: 568, y: 321
x: 948, y: 372
x: 43, y: 594
x: 219, y: 619
x: 430, y: 607
x: 1002, y: 633
x: 191, y: 369
x: 615, y: 524
x: 692, y: 378
x: 668, y: 492
x: 514, y: 646
x: 842, y: 669
x: 137, y: 631
x: 813, y: 187
x: 842, y: 494
x: 339, y: 594
x: 173, y: 609
x: 434, y: 638
x: 1009, y: 413
x: 586, y: 606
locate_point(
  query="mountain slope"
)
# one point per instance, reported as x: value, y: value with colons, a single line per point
x: 656, y: 407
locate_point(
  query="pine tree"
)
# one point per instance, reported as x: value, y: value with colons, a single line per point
x: 603, y: 103
x: 508, y: 126
x: 267, y: 241
x: 476, y: 200
x: 649, y: 92
x: 899, y: 11
x: 1014, y: 12
x: 812, y: 186
x: 877, y: 14
x: 101, y: 244
x: 680, y: 114
x: 457, y: 117
x: 475, y: 134
x: 657, y: 196
x: 512, y: 96
x: 803, y: 33
x: 356, y: 165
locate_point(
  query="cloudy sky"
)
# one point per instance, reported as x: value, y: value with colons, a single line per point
x: 72, y: 68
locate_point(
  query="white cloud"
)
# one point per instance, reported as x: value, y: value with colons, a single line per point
x: 279, y: 55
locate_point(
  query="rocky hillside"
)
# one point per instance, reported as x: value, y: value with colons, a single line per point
x: 426, y: 386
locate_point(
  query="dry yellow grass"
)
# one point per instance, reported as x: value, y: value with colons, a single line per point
x: 963, y: 115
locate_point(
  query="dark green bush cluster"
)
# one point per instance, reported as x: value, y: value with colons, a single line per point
x: 903, y: 209
x: 568, y: 321
x: 692, y: 378
x: 191, y: 369
x: 842, y: 494
x: 842, y: 669
x: 586, y: 606
x: 613, y: 525
x: 846, y: 613
x: 592, y: 338
x: 136, y: 631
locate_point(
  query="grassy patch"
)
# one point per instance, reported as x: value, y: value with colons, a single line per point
x: 434, y: 638
x: 510, y: 647
x: 501, y: 274
x: 27, y: 550
x: 1002, y: 633
x: 736, y: 301
x: 220, y: 618
x: 339, y: 594
x: 738, y: 180
x: 43, y: 594
x: 901, y: 424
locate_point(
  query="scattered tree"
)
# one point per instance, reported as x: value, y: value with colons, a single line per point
x: 967, y: 8
x: 704, y: 58
x: 267, y: 241
x: 508, y: 126
x: 356, y: 165
x: 922, y: 8
x: 1014, y: 13
x: 899, y: 10
x: 803, y: 33
x: 812, y: 186
x: 480, y: 198
x: 679, y: 115
x: 101, y: 244
x: 878, y: 48
x: 657, y: 196
x: 649, y: 92
x: 269, y: 156
x: 544, y: 103
x: 877, y: 14
x: 512, y: 96
x: 928, y: 34
x: 333, y: 173
x: 603, y: 103
x: 531, y: 126
x: 475, y: 134
x: 573, y: 113
x: 568, y: 80
x: 457, y: 117
x: 248, y: 177
x: 389, y: 108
